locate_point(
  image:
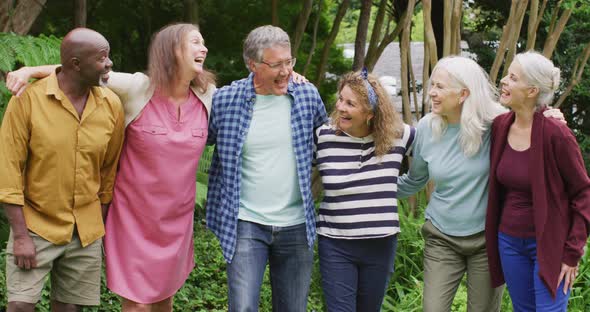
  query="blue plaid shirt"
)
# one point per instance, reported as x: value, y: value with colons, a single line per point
x: 231, y: 114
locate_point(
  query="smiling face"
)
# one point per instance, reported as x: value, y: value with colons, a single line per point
x: 515, y: 89
x: 193, y: 53
x: 352, y: 113
x: 95, y: 64
x: 446, y: 99
x: 272, y: 81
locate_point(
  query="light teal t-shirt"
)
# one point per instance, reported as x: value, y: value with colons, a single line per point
x: 270, y: 191
x: 458, y: 204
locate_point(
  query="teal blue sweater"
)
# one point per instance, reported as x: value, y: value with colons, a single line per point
x: 458, y: 204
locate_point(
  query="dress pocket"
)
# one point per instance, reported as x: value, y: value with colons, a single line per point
x: 155, y: 130
x: 199, y: 132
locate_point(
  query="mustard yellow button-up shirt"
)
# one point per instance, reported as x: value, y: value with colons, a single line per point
x: 58, y: 166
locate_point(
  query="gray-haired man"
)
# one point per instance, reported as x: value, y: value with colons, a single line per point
x: 259, y: 201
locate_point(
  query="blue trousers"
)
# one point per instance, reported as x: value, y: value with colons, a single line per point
x: 355, y: 273
x: 290, y: 259
x: 521, y: 272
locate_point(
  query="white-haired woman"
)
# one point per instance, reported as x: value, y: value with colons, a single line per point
x: 539, y: 205
x: 452, y: 148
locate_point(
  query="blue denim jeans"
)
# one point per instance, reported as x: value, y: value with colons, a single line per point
x: 521, y: 272
x: 355, y: 272
x: 290, y: 259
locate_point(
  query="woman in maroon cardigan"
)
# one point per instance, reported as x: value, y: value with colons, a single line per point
x: 538, y: 214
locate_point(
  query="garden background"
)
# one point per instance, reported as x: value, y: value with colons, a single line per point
x: 31, y: 31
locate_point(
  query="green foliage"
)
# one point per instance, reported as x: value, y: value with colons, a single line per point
x: 17, y: 51
x: 483, y: 30
x: 202, y: 183
x: 4, y: 98
x: 206, y: 287
x: 584, y: 142
x: 27, y: 50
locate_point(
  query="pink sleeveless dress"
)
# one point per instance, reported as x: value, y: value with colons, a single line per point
x: 149, y: 227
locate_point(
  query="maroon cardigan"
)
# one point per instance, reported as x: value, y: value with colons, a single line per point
x: 561, y: 197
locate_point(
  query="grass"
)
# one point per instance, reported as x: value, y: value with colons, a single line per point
x: 206, y: 287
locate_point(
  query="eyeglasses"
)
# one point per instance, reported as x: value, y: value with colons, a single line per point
x: 287, y: 63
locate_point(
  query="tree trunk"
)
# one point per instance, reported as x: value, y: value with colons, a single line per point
x: 414, y: 87
x: 448, y: 31
x: 342, y: 8
x: 531, y: 30
x: 456, y: 27
x: 555, y: 33
x: 429, y: 38
x: 361, y: 35
x: 80, y: 13
x: 438, y: 7
x: 581, y: 62
x: 376, y: 33
x: 404, y: 48
x: 19, y: 19
x: 532, y: 33
x: 275, y: 12
x: 314, y: 38
x: 301, y: 25
x: 388, y: 38
x: 520, y: 12
x: 508, y: 31
x: 425, y: 78
x: 191, y: 11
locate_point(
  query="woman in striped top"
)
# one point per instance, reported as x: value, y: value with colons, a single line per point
x: 359, y: 156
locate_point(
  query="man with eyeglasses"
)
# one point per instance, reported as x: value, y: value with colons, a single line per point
x: 259, y: 202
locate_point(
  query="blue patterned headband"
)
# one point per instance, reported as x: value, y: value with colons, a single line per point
x: 370, y: 90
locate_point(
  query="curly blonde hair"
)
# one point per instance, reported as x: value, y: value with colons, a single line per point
x: 386, y: 125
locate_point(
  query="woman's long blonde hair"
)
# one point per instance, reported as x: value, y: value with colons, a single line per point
x: 386, y: 126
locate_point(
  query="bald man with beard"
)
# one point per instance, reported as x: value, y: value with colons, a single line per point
x: 60, y: 144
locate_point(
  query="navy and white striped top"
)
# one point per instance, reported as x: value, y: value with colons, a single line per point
x: 359, y: 189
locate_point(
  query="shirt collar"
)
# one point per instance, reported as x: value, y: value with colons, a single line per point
x: 53, y: 87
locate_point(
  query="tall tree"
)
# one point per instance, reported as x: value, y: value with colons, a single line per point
x: 376, y: 32
x: 80, y: 13
x: 429, y: 38
x: 535, y: 18
x: 301, y: 25
x: 556, y: 28
x: 510, y: 33
x: 577, y: 72
x: 191, y: 11
x: 361, y: 34
x: 321, y: 71
x: 18, y: 16
x: 452, y: 27
x: 314, y: 38
x: 402, y: 12
x: 405, y: 59
x: 274, y: 7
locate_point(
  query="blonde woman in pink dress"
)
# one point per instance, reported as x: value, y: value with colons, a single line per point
x: 149, y: 225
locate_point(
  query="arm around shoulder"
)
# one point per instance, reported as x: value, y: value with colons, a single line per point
x: 417, y: 176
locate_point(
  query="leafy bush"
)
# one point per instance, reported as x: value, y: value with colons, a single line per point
x: 584, y: 142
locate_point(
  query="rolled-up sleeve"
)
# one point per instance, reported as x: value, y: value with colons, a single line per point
x: 14, y: 136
